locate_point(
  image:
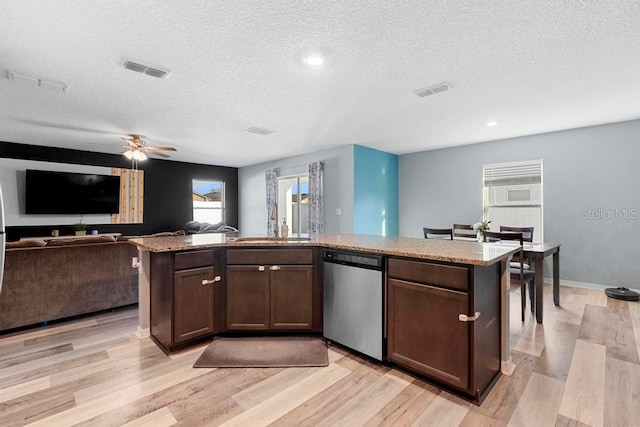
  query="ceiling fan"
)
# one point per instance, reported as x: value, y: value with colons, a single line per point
x: 137, y: 148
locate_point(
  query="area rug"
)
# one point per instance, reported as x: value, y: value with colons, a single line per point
x: 264, y: 352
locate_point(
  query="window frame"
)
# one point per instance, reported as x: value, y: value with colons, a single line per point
x: 515, y: 176
x: 297, y: 176
x: 222, y: 207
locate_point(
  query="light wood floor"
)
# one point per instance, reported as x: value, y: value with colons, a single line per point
x: 580, y: 368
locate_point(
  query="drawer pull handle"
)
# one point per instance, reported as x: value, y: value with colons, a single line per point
x: 261, y: 268
x: 275, y: 267
x: 212, y: 281
x: 465, y: 318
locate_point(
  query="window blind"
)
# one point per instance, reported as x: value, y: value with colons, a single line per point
x: 514, y: 173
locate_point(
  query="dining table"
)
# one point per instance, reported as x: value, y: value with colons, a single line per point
x: 537, y: 252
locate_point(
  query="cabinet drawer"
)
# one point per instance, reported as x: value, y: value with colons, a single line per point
x: 270, y: 256
x: 195, y: 259
x: 426, y: 272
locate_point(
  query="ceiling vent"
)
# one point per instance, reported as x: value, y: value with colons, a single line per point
x: 432, y: 90
x: 259, y: 131
x: 144, y: 69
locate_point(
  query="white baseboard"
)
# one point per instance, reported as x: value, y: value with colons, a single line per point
x: 584, y: 285
x: 143, y: 333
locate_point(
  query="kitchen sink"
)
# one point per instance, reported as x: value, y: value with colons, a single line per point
x: 268, y: 239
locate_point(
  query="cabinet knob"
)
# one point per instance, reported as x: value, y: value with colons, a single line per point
x: 212, y: 281
x: 465, y: 318
x: 261, y: 268
x: 275, y: 267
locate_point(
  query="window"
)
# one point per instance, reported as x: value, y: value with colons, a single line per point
x: 293, y: 203
x: 512, y: 195
x: 208, y: 201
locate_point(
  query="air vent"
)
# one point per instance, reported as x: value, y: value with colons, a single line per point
x: 259, y: 131
x: 144, y: 69
x: 156, y: 73
x: 432, y: 90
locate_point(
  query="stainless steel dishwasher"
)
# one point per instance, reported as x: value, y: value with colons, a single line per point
x: 353, y: 301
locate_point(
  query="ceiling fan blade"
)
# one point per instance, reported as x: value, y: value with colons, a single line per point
x: 161, y: 148
x: 136, y: 142
x: 156, y: 153
x: 131, y: 143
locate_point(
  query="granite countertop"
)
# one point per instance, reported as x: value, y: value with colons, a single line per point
x: 458, y: 251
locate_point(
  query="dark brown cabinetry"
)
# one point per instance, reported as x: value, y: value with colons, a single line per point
x: 193, y: 303
x: 441, y: 325
x: 185, y: 294
x: 291, y: 297
x: 247, y: 298
x: 271, y: 289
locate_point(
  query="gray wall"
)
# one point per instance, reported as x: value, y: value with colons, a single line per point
x: 338, y: 189
x: 587, y: 172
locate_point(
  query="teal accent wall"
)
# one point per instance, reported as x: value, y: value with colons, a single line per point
x: 375, y: 192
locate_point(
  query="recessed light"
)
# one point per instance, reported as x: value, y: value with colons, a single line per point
x: 491, y: 123
x: 314, y: 59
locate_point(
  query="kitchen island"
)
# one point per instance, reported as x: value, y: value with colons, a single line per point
x: 446, y: 306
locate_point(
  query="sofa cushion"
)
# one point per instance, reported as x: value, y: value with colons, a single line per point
x: 167, y: 233
x: 194, y: 227
x: 30, y: 243
x: 81, y: 240
x: 161, y: 234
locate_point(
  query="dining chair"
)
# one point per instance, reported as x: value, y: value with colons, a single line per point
x: 464, y: 230
x: 517, y: 274
x: 439, y: 232
x: 527, y: 236
x: 527, y: 232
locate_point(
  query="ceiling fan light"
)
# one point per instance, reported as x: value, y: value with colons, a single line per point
x: 141, y: 156
x: 129, y: 154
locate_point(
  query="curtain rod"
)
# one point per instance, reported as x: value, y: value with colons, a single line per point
x: 306, y: 165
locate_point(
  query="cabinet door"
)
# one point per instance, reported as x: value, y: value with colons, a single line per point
x: 291, y: 294
x: 425, y: 334
x: 193, y: 304
x: 247, y: 297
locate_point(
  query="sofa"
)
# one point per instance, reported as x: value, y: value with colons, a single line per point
x: 195, y: 227
x: 52, y: 280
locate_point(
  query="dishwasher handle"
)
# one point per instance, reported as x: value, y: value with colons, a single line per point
x: 354, y: 259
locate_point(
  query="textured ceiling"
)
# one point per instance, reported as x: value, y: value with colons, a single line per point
x: 532, y: 66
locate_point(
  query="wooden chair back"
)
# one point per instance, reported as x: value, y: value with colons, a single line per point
x: 463, y: 230
x: 527, y: 232
x: 437, y: 232
x: 494, y: 236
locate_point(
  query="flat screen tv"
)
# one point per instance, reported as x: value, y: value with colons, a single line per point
x: 50, y: 192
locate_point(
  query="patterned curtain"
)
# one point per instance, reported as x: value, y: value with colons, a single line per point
x: 316, y: 199
x: 271, y: 177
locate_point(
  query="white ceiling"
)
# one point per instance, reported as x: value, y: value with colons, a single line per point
x: 532, y: 66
